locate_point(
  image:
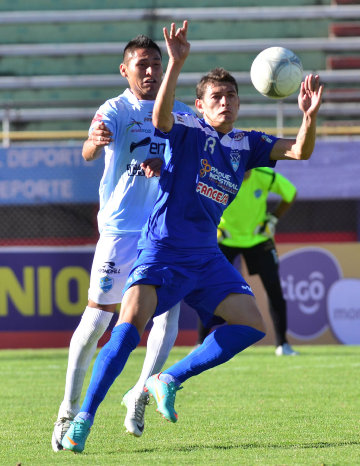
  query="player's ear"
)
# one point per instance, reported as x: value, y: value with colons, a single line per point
x: 199, y: 105
x: 123, y: 70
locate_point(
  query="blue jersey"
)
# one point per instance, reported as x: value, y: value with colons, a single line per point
x: 202, y: 174
x: 126, y: 195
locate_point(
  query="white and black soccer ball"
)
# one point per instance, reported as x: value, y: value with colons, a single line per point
x: 276, y: 72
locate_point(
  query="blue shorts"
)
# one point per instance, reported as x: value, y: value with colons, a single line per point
x: 201, y: 280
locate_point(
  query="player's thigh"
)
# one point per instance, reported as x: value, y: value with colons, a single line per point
x: 138, y: 306
x: 217, y: 280
x: 113, y: 260
x: 240, y: 309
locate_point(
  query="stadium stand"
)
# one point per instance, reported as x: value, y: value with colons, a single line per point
x: 53, y: 73
x: 343, y: 62
x: 345, y: 30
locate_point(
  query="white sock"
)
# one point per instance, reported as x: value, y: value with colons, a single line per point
x: 160, y: 341
x: 82, y: 347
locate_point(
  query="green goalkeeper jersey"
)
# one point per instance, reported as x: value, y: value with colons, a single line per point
x: 248, y: 210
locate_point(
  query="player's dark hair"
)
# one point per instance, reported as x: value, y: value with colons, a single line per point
x: 140, y: 42
x: 217, y: 75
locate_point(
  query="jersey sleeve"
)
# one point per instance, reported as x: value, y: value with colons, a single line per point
x: 283, y: 187
x: 182, y: 122
x: 182, y: 108
x: 261, y: 145
x: 181, y: 138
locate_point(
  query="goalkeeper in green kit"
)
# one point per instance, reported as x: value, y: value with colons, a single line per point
x: 247, y: 228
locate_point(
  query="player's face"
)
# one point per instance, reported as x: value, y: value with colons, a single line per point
x: 219, y: 106
x: 143, y: 70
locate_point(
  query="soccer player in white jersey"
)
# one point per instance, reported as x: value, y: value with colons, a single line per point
x: 179, y: 256
x: 123, y: 128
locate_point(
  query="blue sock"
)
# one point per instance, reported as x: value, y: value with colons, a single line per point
x: 84, y: 417
x: 108, y: 365
x: 217, y: 348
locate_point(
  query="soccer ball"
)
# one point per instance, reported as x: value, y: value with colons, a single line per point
x: 276, y: 72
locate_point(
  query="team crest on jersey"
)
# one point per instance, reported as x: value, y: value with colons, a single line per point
x: 257, y: 193
x: 235, y: 157
x: 106, y: 283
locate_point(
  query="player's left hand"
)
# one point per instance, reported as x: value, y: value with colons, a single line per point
x: 152, y: 167
x: 101, y: 136
x: 310, y: 94
x: 176, y: 42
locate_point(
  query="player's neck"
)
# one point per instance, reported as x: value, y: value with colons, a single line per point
x: 221, y: 128
x: 142, y: 97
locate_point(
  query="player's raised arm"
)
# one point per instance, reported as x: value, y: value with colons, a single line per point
x: 309, y: 103
x: 178, y: 49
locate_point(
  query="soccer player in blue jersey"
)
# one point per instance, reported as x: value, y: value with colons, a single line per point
x: 179, y: 257
x: 123, y: 129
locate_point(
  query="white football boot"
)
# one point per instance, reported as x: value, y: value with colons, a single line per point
x: 135, y: 404
x: 61, y: 426
x: 286, y: 350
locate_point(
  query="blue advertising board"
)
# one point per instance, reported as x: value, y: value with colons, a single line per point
x: 32, y: 174
x: 48, y: 174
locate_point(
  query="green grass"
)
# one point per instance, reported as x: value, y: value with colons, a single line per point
x: 255, y: 409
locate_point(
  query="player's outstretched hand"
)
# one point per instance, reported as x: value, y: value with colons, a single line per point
x: 101, y: 136
x: 177, y: 45
x: 152, y: 167
x: 310, y: 94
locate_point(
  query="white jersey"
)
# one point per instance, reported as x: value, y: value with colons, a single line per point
x: 126, y: 195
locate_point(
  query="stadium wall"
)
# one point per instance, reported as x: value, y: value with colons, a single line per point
x: 43, y: 286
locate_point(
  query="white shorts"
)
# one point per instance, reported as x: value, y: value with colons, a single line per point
x: 113, y: 260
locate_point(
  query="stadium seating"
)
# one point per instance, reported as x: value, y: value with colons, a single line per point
x: 54, y: 73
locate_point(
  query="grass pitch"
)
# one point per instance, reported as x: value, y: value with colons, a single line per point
x: 255, y: 409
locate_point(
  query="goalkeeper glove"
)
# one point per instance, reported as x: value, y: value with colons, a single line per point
x: 267, y: 228
x: 222, y: 234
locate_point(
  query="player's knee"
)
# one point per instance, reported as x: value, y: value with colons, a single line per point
x: 102, y: 307
x: 134, y: 320
x: 255, y: 320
